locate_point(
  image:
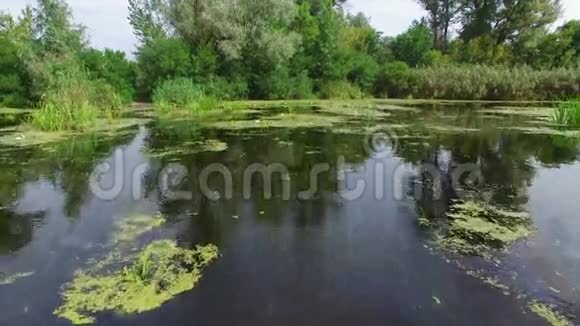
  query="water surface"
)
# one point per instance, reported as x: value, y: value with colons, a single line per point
x: 318, y: 260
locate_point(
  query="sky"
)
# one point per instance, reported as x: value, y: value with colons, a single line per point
x: 108, y: 27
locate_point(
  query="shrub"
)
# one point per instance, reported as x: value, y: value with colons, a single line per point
x: 394, y: 80
x: 182, y: 93
x: 339, y: 90
x: 75, y: 103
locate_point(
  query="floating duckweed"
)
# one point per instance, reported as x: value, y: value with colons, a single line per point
x: 210, y: 145
x: 550, y: 315
x: 296, y: 120
x: 160, y: 272
x: 129, y: 228
x: 25, y: 136
x: 477, y: 229
x: 10, y: 279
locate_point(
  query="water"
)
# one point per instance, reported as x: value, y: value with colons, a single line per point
x: 322, y: 260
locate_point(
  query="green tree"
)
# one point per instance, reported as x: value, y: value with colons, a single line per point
x: 414, y: 45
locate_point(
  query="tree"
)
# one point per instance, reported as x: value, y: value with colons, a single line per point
x: 506, y: 20
x: 413, y: 45
x: 441, y: 16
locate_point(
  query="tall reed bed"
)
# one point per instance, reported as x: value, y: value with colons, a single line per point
x: 182, y: 94
x: 474, y: 82
x: 75, y: 103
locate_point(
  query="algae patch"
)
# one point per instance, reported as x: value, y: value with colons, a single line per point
x: 131, y: 280
x: 478, y: 229
x: 550, y: 315
x: 162, y: 271
x: 10, y: 279
x: 128, y: 229
x: 210, y: 145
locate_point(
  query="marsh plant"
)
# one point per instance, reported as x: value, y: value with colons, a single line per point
x: 182, y: 94
x: 75, y: 103
x: 567, y: 113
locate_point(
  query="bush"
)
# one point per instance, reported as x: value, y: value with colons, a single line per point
x: 182, y: 93
x: 66, y: 107
x: 394, y: 80
x: 339, y: 90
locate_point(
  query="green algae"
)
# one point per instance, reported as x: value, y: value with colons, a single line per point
x: 12, y: 278
x: 128, y: 229
x: 171, y: 271
x: 188, y: 148
x: 479, y: 228
x: 130, y: 280
x: 26, y: 136
x: 545, y: 131
x: 549, y: 314
x: 532, y: 112
x: 295, y: 120
x: 451, y: 129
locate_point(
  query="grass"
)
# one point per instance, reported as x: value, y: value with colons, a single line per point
x: 567, y: 114
x: 182, y: 94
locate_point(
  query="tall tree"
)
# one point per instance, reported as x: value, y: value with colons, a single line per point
x: 441, y: 16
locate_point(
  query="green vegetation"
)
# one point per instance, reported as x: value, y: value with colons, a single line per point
x: 53, y: 70
x: 479, y: 229
x: 12, y: 278
x: 182, y: 93
x: 567, y: 114
x: 191, y: 57
x: 132, y: 280
x: 160, y: 272
x: 550, y: 315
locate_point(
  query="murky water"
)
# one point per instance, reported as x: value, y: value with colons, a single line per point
x: 333, y: 256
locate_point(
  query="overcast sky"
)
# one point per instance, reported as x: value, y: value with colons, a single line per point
x: 108, y: 26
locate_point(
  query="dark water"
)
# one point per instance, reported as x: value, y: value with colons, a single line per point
x: 323, y: 260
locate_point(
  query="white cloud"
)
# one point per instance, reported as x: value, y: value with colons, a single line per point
x: 108, y: 26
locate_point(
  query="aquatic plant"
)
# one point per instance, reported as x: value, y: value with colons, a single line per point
x: 73, y: 102
x: 567, y: 114
x: 182, y: 93
x: 550, y: 315
x: 161, y: 271
x: 6, y: 279
x: 479, y: 228
x: 127, y: 229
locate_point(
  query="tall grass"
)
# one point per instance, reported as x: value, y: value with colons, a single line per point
x: 567, y: 114
x: 475, y: 82
x: 182, y: 93
x: 75, y: 103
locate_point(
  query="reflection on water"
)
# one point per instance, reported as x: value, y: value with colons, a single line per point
x: 316, y: 260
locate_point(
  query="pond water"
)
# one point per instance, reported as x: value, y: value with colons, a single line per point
x: 330, y: 256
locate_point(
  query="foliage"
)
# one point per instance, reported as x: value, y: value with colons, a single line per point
x: 394, y: 80
x: 160, y: 60
x: 182, y: 93
x: 414, y: 45
x: 340, y: 90
x: 567, y: 113
x: 113, y: 68
x: 67, y: 106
